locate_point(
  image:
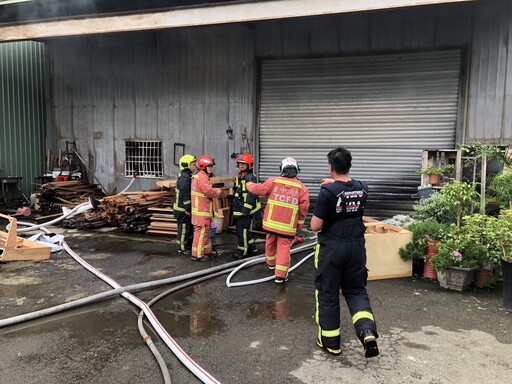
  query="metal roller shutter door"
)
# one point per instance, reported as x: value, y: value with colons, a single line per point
x: 385, y: 108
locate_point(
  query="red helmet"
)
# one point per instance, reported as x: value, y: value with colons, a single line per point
x: 204, y: 161
x: 246, y: 159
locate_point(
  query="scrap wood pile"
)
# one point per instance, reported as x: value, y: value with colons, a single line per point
x: 53, y: 196
x: 128, y: 211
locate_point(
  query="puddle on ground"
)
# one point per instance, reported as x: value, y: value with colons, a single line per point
x: 80, y: 323
x: 300, y: 304
x: 182, y: 317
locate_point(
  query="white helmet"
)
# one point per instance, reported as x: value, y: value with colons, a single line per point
x: 289, y: 162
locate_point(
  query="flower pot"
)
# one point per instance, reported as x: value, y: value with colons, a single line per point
x: 428, y: 269
x: 506, y: 268
x: 482, y: 277
x: 433, y: 179
x: 456, y: 278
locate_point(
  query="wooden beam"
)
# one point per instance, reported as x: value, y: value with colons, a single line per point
x: 206, y: 15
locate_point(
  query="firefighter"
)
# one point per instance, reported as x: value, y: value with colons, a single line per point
x: 202, y: 208
x: 246, y: 206
x: 182, y: 206
x: 285, y: 212
x: 340, y: 257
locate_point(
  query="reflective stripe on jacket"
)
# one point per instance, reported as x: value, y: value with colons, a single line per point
x: 202, y: 195
x: 245, y: 203
x: 287, y: 205
x: 182, y: 202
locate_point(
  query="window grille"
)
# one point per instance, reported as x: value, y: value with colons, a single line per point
x: 145, y: 158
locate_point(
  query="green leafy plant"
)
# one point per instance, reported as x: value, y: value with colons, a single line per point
x: 460, y: 248
x: 422, y: 232
x: 461, y: 197
x: 442, y: 170
x: 500, y: 190
x: 433, y: 208
x: 494, y: 233
x: 499, y: 231
x: 478, y: 150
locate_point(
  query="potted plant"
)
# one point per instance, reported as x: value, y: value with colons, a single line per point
x: 458, y: 257
x: 434, y: 173
x: 423, y: 245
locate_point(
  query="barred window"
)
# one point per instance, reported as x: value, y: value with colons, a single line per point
x: 145, y: 158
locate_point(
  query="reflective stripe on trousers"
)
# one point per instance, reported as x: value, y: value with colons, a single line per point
x: 341, y: 264
x: 202, y: 244
x: 279, y: 246
x: 185, y: 232
x: 244, y: 236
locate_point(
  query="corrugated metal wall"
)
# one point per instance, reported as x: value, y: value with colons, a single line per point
x: 191, y: 85
x: 179, y: 86
x: 490, y: 101
x: 22, y: 125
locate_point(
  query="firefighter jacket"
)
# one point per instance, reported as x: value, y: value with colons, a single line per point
x: 202, y: 195
x: 245, y: 203
x: 287, y: 204
x: 182, y: 203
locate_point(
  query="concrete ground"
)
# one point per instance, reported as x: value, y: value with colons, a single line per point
x: 255, y: 334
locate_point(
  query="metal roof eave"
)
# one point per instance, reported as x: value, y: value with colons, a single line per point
x: 223, y: 13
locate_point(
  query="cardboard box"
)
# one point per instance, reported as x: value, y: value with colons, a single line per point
x: 382, y: 244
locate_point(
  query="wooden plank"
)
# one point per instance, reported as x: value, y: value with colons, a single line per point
x: 158, y: 232
x: 170, y: 184
x: 162, y: 209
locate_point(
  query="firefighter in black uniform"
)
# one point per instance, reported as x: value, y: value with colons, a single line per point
x: 246, y: 206
x: 182, y: 204
x: 340, y: 257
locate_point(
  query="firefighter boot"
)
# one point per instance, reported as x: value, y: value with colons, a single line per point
x: 330, y: 351
x: 369, y: 341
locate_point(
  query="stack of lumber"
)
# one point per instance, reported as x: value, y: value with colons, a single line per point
x: 162, y: 222
x: 130, y: 210
x: 53, y: 196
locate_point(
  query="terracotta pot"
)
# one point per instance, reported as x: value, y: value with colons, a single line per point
x: 482, y: 277
x: 428, y: 270
x: 430, y: 251
x: 433, y: 179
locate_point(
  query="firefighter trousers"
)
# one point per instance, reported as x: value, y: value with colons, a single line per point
x: 277, y: 253
x: 341, y: 264
x: 243, y: 234
x: 202, y: 244
x: 185, y: 232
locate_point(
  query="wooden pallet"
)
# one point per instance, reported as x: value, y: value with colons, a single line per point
x: 18, y: 249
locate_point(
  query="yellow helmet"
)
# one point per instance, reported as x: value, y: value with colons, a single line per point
x: 185, y: 161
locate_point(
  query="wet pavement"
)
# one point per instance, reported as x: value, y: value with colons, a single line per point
x: 254, y: 334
